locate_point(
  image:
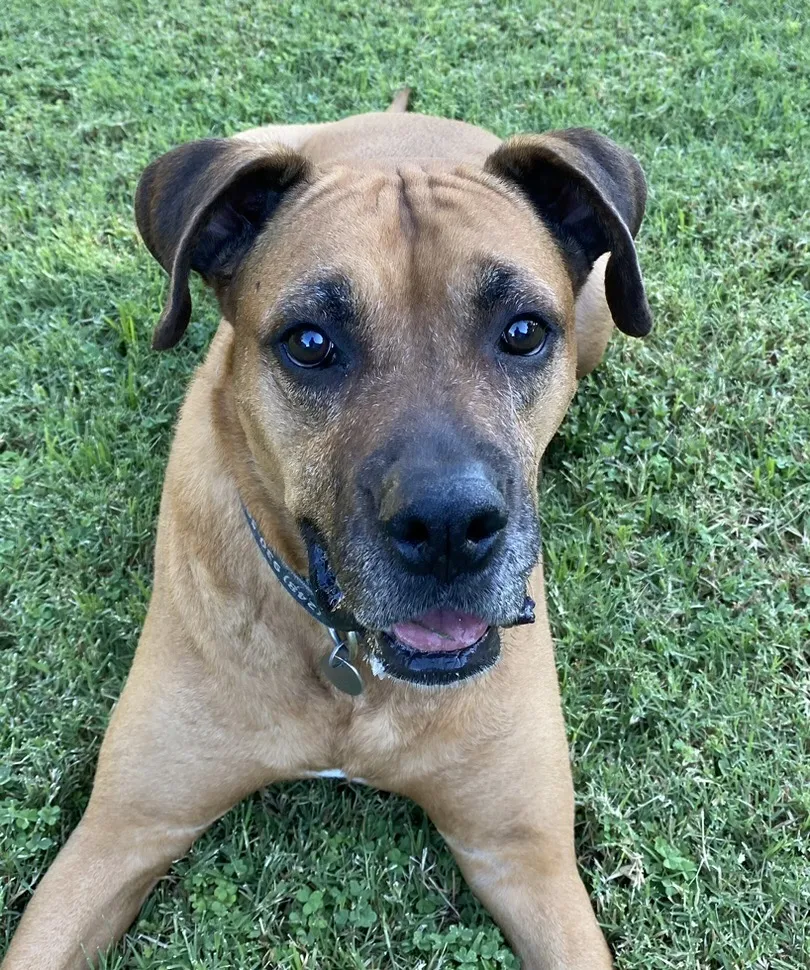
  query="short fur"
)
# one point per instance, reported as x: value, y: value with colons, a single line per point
x: 225, y: 694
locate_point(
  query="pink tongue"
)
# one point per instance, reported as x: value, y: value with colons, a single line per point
x: 441, y: 630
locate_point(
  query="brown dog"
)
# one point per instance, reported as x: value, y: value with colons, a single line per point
x: 407, y: 304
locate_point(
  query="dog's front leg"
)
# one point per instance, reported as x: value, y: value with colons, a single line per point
x: 505, y: 807
x: 534, y: 892
x: 169, y: 766
x: 94, y: 889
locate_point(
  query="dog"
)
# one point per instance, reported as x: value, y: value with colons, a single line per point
x: 348, y: 549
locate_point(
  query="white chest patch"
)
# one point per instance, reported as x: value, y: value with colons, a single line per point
x: 334, y: 773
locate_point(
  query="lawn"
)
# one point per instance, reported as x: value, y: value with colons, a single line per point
x: 675, y: 500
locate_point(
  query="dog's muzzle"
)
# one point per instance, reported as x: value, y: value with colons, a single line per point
x: 437, y: 648
x: 440, y: 648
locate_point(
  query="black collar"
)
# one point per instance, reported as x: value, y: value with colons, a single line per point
x: 296, y: 585
x: 337, y: 665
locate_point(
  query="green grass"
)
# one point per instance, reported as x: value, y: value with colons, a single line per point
x: 675, y: 501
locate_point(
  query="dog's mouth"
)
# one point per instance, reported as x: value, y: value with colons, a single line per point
x: 439, y: 648
x: 443, y: 646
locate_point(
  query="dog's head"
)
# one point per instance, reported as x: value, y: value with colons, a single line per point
x: 404, y: 349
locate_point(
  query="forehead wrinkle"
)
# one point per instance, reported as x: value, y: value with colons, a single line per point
x: 327, y: 185
x: 469, y: 181
x: 407, y: 212
x: 340, y: 184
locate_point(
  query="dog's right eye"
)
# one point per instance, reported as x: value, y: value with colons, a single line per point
x: 525, y: 337
x: 307, y: 346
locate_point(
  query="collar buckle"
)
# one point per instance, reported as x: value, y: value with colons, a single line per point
x: 338, y: 668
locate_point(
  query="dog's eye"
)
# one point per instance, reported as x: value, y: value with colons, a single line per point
x: 307, y: 346
x: 524, y: 337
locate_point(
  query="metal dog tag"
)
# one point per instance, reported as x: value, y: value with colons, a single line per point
x: 338, y: 669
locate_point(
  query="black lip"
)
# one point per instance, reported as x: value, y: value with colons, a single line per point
x: 436, y: 669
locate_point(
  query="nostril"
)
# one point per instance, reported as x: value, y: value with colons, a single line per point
x: 485, y: 525
x: 413, y: 532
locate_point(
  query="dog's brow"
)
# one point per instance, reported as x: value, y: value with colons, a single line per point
x: 499, y: 284
x: 326, y: 297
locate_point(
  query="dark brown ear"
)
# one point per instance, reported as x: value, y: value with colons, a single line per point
x: 200, y: 207
x: 591, y: 195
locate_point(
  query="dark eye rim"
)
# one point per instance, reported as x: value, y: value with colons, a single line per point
x: 549, y: 332
x: 328, y: 361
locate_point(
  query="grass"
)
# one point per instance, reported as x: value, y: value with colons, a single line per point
x: 675, y: 501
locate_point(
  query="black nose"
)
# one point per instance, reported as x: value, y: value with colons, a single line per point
x: 445, y: 525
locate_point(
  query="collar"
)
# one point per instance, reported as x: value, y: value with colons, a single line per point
x: 337, y: 665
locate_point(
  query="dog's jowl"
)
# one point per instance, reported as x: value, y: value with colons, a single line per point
x: 347, y: 573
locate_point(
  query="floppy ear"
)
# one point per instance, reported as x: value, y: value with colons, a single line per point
x: 591, y: 195
x: 200, y: 207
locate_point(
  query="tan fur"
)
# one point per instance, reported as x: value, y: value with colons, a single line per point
x: 224, y: 695
x: 400, y: 102
x: 594, y: 324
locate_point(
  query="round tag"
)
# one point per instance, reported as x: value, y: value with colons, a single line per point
x: 341, y: 673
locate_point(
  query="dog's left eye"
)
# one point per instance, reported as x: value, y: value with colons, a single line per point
x: 307, y: 346
x: 524, y: 337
